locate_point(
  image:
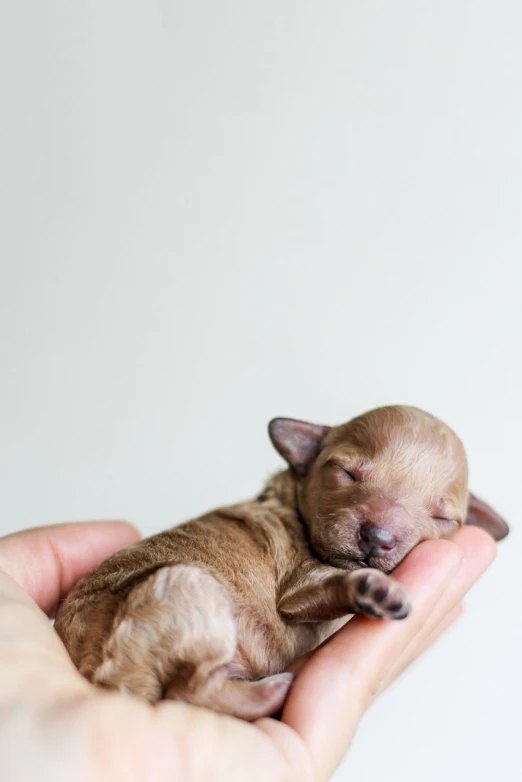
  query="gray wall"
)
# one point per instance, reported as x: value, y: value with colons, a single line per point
x: 214, y: 213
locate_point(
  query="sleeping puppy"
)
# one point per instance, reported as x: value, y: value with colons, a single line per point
x: 212, y: 612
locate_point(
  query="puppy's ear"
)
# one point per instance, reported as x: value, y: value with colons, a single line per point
x: 481, y: 515
x: 297, y: 441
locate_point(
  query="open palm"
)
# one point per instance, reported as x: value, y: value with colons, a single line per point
x: 54, y: 725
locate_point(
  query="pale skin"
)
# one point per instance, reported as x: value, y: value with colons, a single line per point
x: 53, y: 722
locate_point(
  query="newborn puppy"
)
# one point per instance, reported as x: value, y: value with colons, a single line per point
x: 212, y: 612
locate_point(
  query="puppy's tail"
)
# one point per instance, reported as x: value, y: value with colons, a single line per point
x: 173, y: 637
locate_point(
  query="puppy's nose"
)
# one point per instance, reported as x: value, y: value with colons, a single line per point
x: 375, y: 541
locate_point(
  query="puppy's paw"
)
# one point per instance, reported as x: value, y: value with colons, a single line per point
x: 376, y: 594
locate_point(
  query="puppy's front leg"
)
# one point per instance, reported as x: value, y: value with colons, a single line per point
x: 328, y: 593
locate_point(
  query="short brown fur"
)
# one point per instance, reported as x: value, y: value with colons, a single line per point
x: 213, y: 611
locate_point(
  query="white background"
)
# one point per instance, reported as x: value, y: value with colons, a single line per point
x: 218, y: 212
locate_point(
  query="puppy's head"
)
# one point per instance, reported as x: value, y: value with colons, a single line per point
x: 373, y: 488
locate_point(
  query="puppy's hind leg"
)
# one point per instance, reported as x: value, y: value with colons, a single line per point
x: 249, y: 700
x: 176, y: 625
x: 173, y: 637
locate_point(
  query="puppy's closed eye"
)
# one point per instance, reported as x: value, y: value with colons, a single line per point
x: 347, y: 471
x: 346, y: 475
x: 337, y: 476
x: 443, y: 514
x: 446, y: 524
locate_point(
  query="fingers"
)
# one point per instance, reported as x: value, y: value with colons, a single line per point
x: 448, y: 621
x: 420, y: 645
x: 343, y: 676
x: 479, y: 552
x: 48, y: 561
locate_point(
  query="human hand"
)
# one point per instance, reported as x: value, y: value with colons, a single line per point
x: 55, y: 725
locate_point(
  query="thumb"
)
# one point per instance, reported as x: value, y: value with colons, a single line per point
x: 31, y: 654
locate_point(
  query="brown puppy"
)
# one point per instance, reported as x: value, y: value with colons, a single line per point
x: 213, y: 611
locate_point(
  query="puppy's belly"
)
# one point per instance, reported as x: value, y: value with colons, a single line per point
x: 264, y: 652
